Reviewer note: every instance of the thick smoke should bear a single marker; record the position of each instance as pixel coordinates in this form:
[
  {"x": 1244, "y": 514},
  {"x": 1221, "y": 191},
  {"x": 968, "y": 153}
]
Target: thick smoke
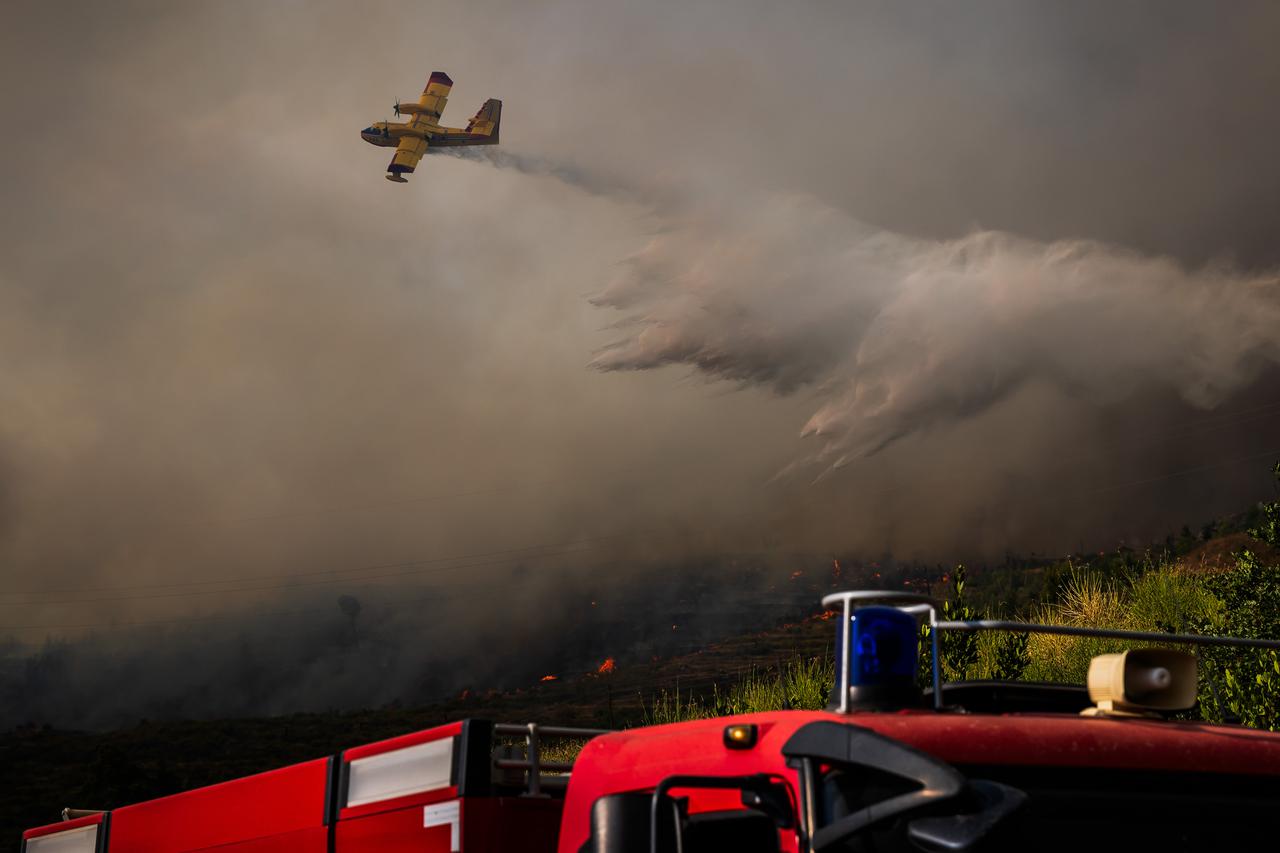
[
  {"x": 1009, "y": 264},
  {"x": 897, "y": 335}
]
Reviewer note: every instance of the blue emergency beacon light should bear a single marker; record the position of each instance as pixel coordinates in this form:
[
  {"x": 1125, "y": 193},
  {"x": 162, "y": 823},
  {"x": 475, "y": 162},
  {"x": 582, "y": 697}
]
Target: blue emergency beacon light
[{"x": 878, "y": 649}]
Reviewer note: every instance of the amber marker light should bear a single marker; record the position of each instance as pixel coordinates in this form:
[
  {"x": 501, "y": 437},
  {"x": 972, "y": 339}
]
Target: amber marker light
[{"x": 740, "y": 737}]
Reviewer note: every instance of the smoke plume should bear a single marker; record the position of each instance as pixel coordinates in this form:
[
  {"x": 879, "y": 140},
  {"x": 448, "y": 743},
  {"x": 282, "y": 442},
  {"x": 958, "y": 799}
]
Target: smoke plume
[{"x": 895, "y": 335}]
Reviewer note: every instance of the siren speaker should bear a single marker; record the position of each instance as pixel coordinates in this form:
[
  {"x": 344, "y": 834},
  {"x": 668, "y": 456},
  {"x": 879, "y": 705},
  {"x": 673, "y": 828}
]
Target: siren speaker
[{"x": 1143, "y": 680}]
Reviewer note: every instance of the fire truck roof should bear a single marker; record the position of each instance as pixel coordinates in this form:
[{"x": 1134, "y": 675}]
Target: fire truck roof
[{"x": 639, "y": 759}]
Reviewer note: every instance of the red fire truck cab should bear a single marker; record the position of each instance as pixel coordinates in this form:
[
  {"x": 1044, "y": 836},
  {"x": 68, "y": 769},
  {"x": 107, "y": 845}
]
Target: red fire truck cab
[{"x": 973, "y": 766}]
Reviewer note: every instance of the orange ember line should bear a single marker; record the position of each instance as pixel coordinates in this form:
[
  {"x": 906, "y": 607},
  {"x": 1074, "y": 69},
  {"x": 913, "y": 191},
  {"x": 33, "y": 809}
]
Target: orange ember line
[
  {"x": 606, "y": 667},
  {"x": 549, "y": 677}
]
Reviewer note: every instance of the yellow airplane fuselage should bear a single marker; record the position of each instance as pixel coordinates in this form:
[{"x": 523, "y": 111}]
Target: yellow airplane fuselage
[{"x": 387, "y": 134}]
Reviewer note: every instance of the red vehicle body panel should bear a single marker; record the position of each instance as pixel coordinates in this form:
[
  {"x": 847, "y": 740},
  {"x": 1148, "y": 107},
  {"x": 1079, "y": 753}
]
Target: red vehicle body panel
[
  {"x": 396, "y": 824},
  {"x": 510, "y": 823},
  {"x": 489, "y": 825},
  {"x": 302, "y": 841},
  {"x": 391, "y": 811},
  {"x": 638, "y": 760},
  {"x": 63, "y": 826},
  {"x": 394, "y": 832},
  {"x": 402, "y": 741},
  {"x": 281, "y": 810}
]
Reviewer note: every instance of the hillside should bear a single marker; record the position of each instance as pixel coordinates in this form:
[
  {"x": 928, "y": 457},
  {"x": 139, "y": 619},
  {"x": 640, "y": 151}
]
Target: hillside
[{"x": 44, "y": 769}]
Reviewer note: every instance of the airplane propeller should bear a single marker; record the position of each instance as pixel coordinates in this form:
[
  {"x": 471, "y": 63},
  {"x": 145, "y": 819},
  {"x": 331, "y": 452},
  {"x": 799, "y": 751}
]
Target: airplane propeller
[{"x": 397, "y": 107}]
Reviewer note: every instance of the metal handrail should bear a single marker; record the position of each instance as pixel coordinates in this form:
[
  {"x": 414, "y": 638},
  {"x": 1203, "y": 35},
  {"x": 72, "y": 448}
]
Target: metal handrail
[
  {"x": 1105, "y": 633},
  {"x": 534, "y": 765},
  {"x": 923, "y": 605}
]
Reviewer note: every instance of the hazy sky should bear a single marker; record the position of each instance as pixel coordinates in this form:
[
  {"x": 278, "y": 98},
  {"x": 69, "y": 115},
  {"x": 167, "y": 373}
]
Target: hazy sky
[{"x": 940, "y": 278}]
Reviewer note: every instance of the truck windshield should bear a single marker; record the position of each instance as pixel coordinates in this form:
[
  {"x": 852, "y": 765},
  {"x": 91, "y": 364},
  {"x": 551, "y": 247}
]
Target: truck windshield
[{"x": 1078, "y": 809}]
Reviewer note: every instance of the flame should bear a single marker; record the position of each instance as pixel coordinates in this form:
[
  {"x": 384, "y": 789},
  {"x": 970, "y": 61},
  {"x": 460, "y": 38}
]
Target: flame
[
  {"x": 606, "y": 667},
  {"x": 549, "y": 677},
  {"x": 797, "y": 574}
]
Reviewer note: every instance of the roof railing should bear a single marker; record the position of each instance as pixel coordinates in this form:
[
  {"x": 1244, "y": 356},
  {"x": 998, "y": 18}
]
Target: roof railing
[
  {"x": 532, "y": 764},
  {"x": 926, "y": 608}
]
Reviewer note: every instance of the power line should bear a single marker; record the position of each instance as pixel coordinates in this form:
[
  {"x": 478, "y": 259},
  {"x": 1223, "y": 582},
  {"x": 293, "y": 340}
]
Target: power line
[
  {"x": 455, "y": 563},
  {"x": 1173, "y": 474},
  {"x": 425, "y": 565},
  {"x": 1213, "y": 422},
  {"x": 182, "y": 620},
  {"x": 430, "y": 563},
  {"x": 318, "y": 572},
  {"x": 434, "y": 597},
  {"x": 224, "y": 617}
]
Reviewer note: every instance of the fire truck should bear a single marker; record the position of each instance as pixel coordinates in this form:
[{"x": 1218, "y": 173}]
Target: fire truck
[{"x": 888, "y": 766}]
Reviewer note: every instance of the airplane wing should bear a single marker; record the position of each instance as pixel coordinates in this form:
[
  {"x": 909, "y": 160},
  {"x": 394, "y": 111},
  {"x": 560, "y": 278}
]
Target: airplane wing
[
  {"x": 427, "y": 120},
  {"x": 434, "y": 97},
  {"x": 408, "y": 153},
  {"x": 481, "y": 130}
]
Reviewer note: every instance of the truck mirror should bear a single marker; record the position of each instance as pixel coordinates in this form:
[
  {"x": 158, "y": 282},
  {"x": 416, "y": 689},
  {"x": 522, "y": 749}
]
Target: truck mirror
[
  {"x": 922, "y": 779},
  {"x": 944, "y": 810},
  {"x": 960, "y": 832},
  {"x": 748, "y": 831},
  {"x": 620, "y": 823},
  {"x": 773, "y": 800}
]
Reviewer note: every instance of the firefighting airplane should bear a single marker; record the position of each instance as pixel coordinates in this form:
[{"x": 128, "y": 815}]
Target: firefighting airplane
[{"x": 412, "y": 137}]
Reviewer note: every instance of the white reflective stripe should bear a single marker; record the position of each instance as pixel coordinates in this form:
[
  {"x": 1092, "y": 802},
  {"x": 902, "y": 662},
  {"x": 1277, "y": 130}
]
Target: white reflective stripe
[
  {"x": 411, "y": 770},
  {"x": 82, "y": 839},
  {"x": 442, "y": 813}
]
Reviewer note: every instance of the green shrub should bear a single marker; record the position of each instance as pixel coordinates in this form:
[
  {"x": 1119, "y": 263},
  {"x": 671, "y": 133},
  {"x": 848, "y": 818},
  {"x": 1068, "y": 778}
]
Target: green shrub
[
  {"x": 1010, "y": 656},
  {"x": 800, "y": 684},
  {"x": 673, "y": 708},
  {"x": 1267, "y": 526},
  {"x": 1243, "y": 684},
  {"x": 1086, "y": 600},
  {"x": 959, "y": 651}
]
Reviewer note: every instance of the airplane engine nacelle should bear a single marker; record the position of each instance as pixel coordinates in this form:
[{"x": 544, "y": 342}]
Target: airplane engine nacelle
[{"x": 411, "y": 109}]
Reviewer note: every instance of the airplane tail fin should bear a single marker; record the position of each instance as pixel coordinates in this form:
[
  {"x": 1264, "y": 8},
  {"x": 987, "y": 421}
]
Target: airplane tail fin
[
  {"x": 481, "y": 130},
  {"x": 486, "y": 122}
]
